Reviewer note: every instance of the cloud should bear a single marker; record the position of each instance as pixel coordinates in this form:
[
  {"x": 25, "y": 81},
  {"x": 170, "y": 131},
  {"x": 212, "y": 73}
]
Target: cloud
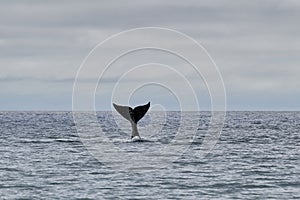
[{"x": 256, "y": 44}]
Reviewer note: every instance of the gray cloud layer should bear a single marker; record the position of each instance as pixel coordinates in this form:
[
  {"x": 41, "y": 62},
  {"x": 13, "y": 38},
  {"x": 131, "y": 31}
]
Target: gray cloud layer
[{"x": 256, "y": 45}]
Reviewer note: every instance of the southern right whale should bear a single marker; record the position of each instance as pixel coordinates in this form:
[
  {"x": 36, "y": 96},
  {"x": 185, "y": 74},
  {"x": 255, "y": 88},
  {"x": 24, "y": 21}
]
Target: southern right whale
[{"x": 133, "y": 116}]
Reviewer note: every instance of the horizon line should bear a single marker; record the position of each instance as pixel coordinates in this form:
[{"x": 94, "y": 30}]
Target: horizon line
[{"x": 231, "y": 110}]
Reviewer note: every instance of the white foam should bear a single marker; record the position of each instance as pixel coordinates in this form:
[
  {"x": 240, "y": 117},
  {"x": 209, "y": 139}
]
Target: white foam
[{"x": 136, "y": 138}]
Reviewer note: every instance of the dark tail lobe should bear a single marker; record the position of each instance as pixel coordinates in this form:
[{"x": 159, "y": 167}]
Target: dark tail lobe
[{"x": 132, "y": 114}]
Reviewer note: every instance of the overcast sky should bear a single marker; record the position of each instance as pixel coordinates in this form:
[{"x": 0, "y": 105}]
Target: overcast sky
[{"x": 256, "y": 45}]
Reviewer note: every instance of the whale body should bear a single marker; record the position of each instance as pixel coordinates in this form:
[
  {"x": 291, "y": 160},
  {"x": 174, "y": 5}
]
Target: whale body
[{"x": 133, "y": 116}]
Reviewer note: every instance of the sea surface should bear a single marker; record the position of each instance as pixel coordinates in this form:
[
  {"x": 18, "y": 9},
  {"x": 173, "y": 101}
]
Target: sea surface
[{"x": 43, "y": 156}]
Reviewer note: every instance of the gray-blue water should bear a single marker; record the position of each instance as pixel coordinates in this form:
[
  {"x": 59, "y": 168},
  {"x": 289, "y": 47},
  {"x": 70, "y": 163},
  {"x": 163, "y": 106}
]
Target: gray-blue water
[{"x": 256, "y": 157}]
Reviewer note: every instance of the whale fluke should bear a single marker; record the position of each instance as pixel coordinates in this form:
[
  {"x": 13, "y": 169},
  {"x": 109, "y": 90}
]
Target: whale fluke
[{"x": 133, "y": 115}]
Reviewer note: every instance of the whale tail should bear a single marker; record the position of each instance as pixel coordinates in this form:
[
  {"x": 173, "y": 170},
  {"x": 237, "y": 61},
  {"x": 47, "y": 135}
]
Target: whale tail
[{"x": 133, "y": 115}]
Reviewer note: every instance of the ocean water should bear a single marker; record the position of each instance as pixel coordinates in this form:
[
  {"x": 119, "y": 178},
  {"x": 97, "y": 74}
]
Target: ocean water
[{"x": 256, "y": 157}]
